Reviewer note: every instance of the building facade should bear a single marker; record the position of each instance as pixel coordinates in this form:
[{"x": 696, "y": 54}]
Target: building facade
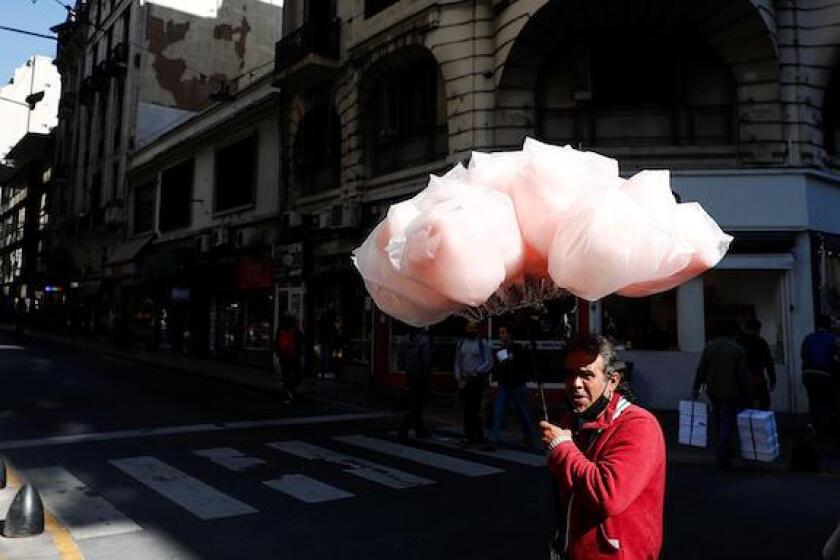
[
  {"x": 736, "y": 98},
  {"x": 24, "y": 216},
  {"x": 132, "y": 70},
  {"x": 29, "y": 101},
  {"x": 197, "y": 266}
]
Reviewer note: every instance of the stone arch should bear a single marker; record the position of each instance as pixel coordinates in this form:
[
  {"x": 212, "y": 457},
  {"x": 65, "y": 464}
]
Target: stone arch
[{"x": 741, "y": 31}]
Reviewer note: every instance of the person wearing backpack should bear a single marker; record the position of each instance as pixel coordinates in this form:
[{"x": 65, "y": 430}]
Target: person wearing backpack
[
  {"x": 473, "y": 362},
  {"x": 290, "y": 348}
]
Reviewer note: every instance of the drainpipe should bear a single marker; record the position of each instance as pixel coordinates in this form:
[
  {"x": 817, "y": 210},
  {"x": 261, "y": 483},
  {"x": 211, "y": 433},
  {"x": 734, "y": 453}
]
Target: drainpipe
[{"x": 794, "y": 153}]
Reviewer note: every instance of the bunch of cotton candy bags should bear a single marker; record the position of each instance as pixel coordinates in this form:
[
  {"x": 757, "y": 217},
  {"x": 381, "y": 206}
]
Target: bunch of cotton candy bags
[{"x": 550, "y": 213}]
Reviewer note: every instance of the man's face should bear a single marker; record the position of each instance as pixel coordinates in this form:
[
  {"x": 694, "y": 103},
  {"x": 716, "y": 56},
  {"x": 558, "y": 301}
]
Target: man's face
[
  {"x": 586, "y": 381},
  {"x": 472, "y": 329},
  {"x": 504, "y": 335}
]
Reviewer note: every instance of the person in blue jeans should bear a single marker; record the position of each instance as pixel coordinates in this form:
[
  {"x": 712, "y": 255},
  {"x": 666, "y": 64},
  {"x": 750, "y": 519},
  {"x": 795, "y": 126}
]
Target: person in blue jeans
[{"x": 509, "y": 368}]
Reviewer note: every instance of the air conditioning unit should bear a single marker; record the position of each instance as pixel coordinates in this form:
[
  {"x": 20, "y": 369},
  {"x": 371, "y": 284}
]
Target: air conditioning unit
[
  {"x": 204, "y": 243},
  {"x": 346, "y": 215},
  {"x": 247, "y": 237},
  {"x": 221, "y": 236},
  {"x": 323, "y": 219},
  {"x": 291, "y": 219}
]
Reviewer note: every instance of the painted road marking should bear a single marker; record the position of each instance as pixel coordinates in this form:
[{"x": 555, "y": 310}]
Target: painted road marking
[
  {"x": 194, "y": 428},
  {"x": 510, "y": 455},
  {"x": 362, "y": 468},
  {"x": 307, "y": 489},
  {"x": 85, "y": 514},
  {"x": 200, "y": 499},
  {"x": 230, "y": 458},
  {"x": 428, "y": 458}
]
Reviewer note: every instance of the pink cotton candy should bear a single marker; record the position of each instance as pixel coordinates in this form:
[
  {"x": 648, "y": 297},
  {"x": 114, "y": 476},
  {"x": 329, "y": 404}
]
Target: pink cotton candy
[
  {"x": 463, "y": 247},
  {"x": 553, "y": 179},
  {"x": 501, "y": 171},
  {"x": 607, "y": 242},
  {"x": 395, "y": 294},
  {"x": 520, "y": 227},
  {"x": 709, "y": 245}
]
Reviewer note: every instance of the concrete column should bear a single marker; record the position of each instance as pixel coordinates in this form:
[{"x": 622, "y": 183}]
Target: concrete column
[
  {"x": 596, "y": 316},
  {"x": 691, "y": 327}
]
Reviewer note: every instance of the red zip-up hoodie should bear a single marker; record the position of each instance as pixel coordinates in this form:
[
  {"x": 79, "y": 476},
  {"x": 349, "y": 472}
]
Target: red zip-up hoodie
[{"x": 611, "y": 485}]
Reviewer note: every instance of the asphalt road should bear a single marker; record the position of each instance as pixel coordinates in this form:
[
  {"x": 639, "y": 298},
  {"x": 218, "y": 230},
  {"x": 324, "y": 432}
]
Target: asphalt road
[{"x": 140, "y": 463}]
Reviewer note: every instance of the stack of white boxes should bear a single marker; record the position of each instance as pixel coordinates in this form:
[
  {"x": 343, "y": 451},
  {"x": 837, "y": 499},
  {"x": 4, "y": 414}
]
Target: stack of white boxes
[
  {"x": 758, "y": 435},
  {"x": 694, "y": 420}
]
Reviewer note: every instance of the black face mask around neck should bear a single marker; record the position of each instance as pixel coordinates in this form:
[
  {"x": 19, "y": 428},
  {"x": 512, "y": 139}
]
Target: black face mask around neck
[{"x": 594, "y": 410}]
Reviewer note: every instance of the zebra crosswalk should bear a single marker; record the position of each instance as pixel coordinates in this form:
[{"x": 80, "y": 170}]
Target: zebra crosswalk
[{"x": 219, "y": 483}]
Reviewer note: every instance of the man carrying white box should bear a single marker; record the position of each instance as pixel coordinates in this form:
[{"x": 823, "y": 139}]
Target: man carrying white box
[{"x": 723, "y": 370}]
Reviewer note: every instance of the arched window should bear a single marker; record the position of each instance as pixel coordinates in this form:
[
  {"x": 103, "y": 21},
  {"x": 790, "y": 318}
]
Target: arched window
[
  {"x": 831, "y": 116},
  {"x": 405, "y": 114},
  {"x": 635, "y": 91},
  {"x": 317, "y": 151}
]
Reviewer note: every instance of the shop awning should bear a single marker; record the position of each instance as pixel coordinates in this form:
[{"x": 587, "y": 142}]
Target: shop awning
[{"x": 129, "y": 250}]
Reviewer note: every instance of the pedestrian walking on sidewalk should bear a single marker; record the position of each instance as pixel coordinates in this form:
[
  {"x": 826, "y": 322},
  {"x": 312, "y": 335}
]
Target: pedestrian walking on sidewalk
[
  {"x": 473, "y": 362},
  {"x": 290, "y": 348},
  {"x": 510, "y": 370},
  {"x": 607, "y": 458},
  {"x": 418, "y": 374},
  {"x": 820, "y": 370},
  {"x": 723, "y": 370},
  {"x": 759, "y": 363}
]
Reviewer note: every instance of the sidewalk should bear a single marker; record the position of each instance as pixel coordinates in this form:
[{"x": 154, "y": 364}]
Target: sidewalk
[{"x": 442, "y": 410}]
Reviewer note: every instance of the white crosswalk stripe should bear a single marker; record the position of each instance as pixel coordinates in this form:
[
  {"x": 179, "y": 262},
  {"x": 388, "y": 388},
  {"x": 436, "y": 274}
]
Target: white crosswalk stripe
[
  {"x": 362, "y": 468},
  {"x": 307, "y": 489},
  {"x": 200, "y": 499},
  {"x": 84, "y": 514},
  {"x": 510, "y": 455},
  {"x": 421, "y": 456},
  {"x": 89, "y": 516},
  {"x": 230, "y": 458}
]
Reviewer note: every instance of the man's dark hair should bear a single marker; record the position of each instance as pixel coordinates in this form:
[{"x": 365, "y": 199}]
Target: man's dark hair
[
  {"x": 824, "y": 322},
  {"x": 753, "y": 325},
  {"x": 594, "y": 346}
]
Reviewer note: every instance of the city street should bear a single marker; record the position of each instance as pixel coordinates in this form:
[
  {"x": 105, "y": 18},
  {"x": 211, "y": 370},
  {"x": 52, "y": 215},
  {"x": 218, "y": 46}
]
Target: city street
[{"x": 143, "y": 463}]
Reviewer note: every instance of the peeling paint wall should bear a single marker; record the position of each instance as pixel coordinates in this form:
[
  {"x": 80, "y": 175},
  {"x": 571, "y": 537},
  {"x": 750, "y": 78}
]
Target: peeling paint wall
[{"x": 195, "y": 46}]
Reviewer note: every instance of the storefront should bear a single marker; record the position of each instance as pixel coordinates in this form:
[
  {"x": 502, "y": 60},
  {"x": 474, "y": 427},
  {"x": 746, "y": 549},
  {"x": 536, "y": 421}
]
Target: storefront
[{"x": 769, "y": 274}]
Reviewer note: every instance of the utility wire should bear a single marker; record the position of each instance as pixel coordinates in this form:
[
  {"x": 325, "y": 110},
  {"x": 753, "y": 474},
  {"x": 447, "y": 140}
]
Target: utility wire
[{"x": 25, "y": 32}]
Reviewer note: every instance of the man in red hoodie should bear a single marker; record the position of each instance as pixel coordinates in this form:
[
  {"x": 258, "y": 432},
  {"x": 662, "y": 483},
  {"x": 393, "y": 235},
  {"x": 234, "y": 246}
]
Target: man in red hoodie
[{"x": 607, "y": 457}]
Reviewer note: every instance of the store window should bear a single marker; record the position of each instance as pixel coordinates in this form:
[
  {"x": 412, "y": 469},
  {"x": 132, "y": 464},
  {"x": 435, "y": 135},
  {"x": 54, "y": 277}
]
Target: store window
[
  {"x": 648, "y": 323},
  {"x": 740, "y": 295},
  {"x": 236, "y": 174},
  {"x": 259, "y": 312},
  {"x": 144, "y": 208},
  {"x": 176, "y": 189}
]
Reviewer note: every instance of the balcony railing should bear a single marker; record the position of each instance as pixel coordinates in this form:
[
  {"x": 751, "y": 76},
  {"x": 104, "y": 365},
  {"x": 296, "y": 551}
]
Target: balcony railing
[{"x": 316, "y": 37}]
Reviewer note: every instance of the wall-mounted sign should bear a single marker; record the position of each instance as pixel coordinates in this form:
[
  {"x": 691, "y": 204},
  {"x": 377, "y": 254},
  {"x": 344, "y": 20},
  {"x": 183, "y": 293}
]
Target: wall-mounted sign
[{"x": 288, "y": 260}]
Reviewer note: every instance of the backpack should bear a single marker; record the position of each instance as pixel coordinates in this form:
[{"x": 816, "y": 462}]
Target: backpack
[{"x": 287, "y": 345}]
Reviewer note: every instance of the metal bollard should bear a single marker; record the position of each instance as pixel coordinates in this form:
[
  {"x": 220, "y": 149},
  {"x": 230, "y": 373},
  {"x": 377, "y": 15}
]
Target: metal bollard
[{"x": 26, "y": 514}]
